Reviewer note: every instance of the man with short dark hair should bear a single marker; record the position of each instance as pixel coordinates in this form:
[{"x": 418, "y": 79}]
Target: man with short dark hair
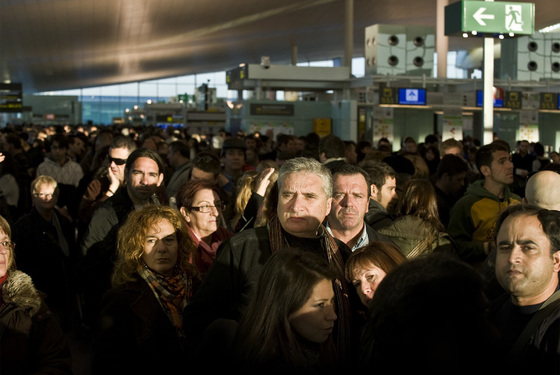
[
  {"x": 143, "y": 175},
  {"x": 233, "y": 159},
  {"x": 351, "y": 192},
  {"x": 450, "y": 180},
  {"x": 472, "y": 219},
  {"x": 332, "y": 151},
  {"x": 58, "y": 165},
  {"x": 178, "y": 155},
  {"x": 383, "y": 185},
  {"x": 102, "y": 188},
  {"x": 527, "y": 268}
]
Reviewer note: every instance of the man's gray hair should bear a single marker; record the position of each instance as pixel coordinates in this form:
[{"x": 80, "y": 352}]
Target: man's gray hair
[{"x": 309, "y": 166}]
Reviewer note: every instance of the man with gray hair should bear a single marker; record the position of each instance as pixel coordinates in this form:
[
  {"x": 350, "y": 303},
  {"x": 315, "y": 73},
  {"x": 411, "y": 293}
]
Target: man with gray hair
[{"x": 305, "y": 190}]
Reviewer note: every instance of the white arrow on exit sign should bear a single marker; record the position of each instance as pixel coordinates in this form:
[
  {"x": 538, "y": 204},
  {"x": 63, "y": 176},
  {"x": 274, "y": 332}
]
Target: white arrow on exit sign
[{"x": 479, "y": 16}]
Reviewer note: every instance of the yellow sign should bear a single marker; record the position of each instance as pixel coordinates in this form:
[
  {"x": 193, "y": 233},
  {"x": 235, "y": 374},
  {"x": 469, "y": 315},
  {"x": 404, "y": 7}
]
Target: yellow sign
[{"x": 322, "y": 126}]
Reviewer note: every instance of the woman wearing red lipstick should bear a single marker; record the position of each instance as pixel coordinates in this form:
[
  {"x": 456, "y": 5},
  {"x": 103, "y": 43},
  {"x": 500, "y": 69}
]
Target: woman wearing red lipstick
[
  {"x": 289, "y": 321},
  {"x": 141, "y": 323}
]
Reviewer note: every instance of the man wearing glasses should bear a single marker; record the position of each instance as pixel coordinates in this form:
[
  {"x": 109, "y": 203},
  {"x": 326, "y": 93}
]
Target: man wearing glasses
[
  {"x": 143, "y": 174},
  {"x": 100, "y": 189}
]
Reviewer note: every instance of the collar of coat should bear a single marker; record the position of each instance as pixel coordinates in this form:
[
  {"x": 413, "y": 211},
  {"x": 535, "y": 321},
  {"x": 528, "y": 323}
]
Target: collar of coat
[{"x": 19, "y": 290}]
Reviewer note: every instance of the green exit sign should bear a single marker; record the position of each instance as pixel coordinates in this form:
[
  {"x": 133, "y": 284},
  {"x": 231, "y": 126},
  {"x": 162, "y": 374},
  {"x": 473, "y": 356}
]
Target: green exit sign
[{"x": 489, "y": 17}]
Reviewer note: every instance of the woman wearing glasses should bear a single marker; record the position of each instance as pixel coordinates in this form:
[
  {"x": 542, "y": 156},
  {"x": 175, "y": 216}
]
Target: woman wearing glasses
[
  {"x": 31, "y": 340},
  {"x": 201, "y": 206}
]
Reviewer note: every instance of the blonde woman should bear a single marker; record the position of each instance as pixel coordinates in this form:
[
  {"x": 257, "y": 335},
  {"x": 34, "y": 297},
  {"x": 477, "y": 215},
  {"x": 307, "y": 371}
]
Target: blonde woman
[{"x": 141, "y": 321}]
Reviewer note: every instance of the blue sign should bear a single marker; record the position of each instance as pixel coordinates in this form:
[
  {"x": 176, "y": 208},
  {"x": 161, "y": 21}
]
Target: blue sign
[
  {"x": 412, "y": 96},
  {"x": 498, "y": 102}
]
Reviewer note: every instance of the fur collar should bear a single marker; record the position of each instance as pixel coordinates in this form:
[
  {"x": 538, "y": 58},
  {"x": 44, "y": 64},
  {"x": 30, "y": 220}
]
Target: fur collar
[{"x": 19, "y": 290}]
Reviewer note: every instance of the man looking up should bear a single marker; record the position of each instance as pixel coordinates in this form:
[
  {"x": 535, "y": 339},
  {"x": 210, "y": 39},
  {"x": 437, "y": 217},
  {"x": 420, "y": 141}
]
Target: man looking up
[
  {"x": 350, "y": 203},
  {"x": 472, "y": 219}
]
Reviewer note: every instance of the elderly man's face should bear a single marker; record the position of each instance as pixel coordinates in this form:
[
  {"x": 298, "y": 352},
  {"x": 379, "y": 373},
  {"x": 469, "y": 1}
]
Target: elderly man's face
[{"x": 302, "y": 204}]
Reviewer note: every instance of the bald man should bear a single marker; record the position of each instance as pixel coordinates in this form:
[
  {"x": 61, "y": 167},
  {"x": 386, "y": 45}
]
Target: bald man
[{"x": 542, "y": 190}]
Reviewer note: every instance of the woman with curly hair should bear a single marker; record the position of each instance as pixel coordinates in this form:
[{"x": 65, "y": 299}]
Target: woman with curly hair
[{"x": 140, "y": 325}]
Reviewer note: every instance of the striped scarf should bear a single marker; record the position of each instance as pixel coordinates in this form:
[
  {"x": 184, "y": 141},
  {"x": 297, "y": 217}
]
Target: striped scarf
[
  {"x": 333, "y": 256},
  {"x": 172, "y": 293}
]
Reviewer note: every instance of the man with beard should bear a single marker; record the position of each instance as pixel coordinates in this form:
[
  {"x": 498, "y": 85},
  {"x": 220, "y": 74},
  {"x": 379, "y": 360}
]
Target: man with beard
[
  {"x": 472, "y": 218},
  {"x": 143, "y": 174},
  {"x": 527, "y": 267}
]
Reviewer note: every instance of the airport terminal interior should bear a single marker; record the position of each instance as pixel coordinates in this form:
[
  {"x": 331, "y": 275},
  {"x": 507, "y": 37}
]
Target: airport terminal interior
[
  {"x": 340, "y": 66},
  {"x": 362, "y": 70}
]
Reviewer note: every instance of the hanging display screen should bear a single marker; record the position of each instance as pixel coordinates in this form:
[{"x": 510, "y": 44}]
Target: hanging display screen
[{"x": 412, "y": 96}]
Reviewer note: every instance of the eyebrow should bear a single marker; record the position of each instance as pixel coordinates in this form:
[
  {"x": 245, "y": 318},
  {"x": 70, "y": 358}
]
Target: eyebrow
[{"x": 519, "y": 242}]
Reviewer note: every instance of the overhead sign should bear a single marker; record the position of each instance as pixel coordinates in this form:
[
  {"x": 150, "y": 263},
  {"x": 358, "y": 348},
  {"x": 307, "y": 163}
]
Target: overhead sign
[
  {"x": 11, "y": 97},
  {"x": 489, "y": 17},
  {"x": 412, "y": 96},
  {"x": 513, "y": 99},
  {"x": 549, "y": 100},
  {"x": 387, "y": 96}
]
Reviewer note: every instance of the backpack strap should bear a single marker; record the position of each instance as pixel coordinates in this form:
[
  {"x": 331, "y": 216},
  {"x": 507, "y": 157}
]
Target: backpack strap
[{"x": 544, "y": 311}]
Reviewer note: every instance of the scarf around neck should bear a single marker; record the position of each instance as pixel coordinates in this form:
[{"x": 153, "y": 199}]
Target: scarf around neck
[{"x": 172, "y": 293}]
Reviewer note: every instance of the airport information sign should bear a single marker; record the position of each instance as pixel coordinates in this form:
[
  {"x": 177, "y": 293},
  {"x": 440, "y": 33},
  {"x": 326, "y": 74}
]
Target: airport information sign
[{"x": 489, "y": 17}]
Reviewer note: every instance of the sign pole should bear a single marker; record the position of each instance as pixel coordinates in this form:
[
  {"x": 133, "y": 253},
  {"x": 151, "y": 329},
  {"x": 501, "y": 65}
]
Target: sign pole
[{"x": 488, "y": 90}]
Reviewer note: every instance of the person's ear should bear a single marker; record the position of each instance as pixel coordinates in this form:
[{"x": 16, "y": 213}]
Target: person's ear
[
  {"x": 374, "y": 191},
  {"x": 183, "y": 212},
  {"x": 556, "y": 261},
  {"x": 160, "y": 179},
  {"x": 485, "y": 170}
]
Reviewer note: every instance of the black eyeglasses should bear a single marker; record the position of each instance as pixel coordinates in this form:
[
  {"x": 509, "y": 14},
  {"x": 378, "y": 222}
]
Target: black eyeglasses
[
  {"x": 117, "y": 161},
  {"x": 207, "y": 208}
]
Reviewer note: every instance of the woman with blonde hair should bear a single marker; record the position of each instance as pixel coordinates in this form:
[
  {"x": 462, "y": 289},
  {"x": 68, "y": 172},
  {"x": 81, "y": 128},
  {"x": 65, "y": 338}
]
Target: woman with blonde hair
[
  {"x": 253, "y": 190},
  {"x": 417, "y": 228},
  {"x": 141, "y": 321}
]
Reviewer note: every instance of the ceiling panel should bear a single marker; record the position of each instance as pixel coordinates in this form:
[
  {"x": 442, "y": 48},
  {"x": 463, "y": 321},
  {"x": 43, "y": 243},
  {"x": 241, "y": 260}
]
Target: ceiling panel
[{"x": 61, "y": 44}]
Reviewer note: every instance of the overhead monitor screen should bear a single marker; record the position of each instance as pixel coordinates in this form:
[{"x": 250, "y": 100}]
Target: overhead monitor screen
[
  {"x": 412, "y": 96},
  {"x": 498, "y": 101}
]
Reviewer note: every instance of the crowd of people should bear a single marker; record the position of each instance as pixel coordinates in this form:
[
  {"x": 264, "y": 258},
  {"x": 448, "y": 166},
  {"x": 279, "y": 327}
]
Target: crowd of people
[{"x": 162, "y": 250}]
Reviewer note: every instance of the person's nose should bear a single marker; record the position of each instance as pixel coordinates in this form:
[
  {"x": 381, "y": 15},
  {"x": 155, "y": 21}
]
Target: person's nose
[
  {"x": 298, "y": 203},
  {"x": 367, "y": 290},
  {"x": 347, "y": 201},
  {"x": 160, "y": 246},
  {"x": 515, "y": 255},
  {"x": 330, "y": 313}
]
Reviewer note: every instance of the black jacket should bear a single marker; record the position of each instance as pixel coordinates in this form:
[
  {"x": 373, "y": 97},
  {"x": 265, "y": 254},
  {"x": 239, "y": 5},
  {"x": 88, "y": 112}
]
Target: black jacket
[
  {"x": 31, "y": 341},
  {"x": 135, "y": 336}
]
